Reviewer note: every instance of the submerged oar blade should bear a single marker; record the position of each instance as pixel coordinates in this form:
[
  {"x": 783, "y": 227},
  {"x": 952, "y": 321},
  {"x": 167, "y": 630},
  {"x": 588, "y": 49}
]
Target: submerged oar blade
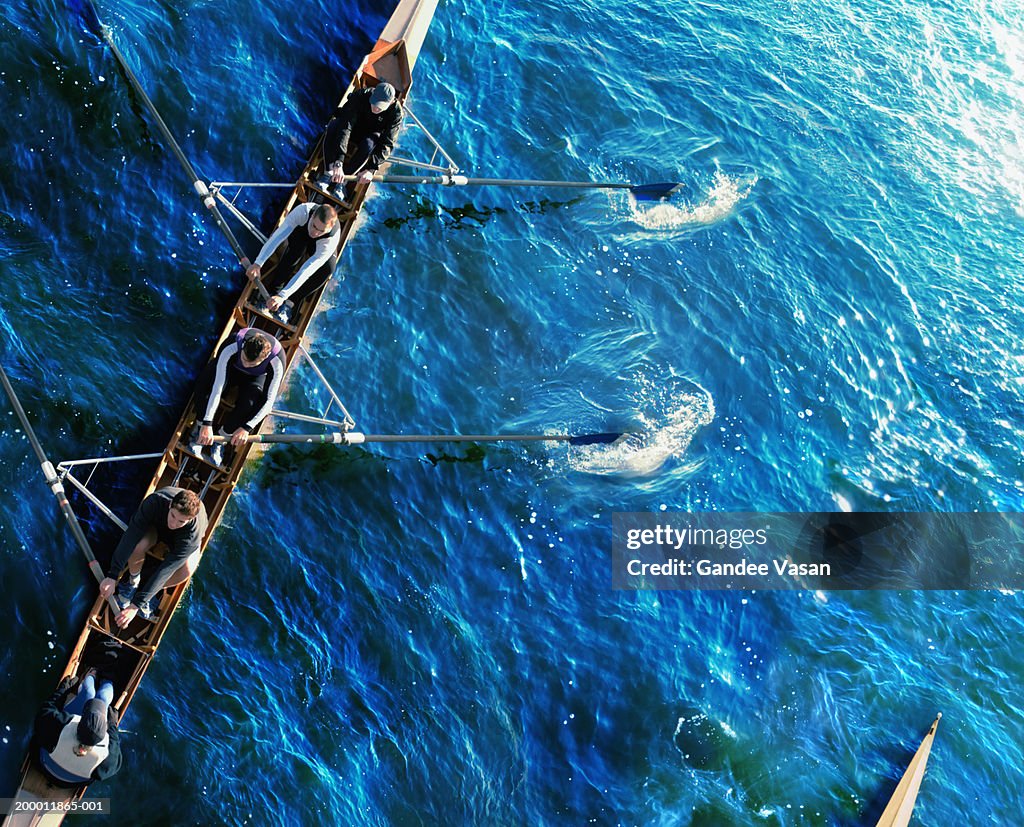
[
  {"x": 86, "y": 12},
  {"x": 655, "y": 192},
  {"x": 595, "y": 439}
]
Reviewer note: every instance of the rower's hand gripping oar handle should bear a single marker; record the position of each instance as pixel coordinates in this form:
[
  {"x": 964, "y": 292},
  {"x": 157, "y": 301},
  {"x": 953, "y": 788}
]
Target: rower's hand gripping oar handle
[{"x": 257, "y": 280}]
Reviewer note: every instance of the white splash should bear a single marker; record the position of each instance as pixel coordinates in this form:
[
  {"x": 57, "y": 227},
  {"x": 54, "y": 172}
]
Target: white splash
[
  {"x": 718, "y": 204},
  {"x": 666, "y": 430}
]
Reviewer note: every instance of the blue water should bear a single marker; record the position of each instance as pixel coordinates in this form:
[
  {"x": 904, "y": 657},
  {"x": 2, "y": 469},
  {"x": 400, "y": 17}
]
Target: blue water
[{"x": 826, "y": 318}]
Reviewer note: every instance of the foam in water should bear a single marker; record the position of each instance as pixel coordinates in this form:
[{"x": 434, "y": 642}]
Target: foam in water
[
  {"x": 718, "y": 204},
  {"x": 669, "y": 418},
  {"x": 843, "y": 503}
]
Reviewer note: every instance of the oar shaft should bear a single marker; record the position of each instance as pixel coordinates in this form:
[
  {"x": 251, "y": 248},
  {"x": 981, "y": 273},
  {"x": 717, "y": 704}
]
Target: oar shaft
[
  {"x": 48, "y": 469},
  {"x": 356, "y": 438},
  {"x": 197, "y": 184},
  {"x": 460, "y": 437},
  {"x": 55, "y": 484},
  {"x": 462, "y": 181}
]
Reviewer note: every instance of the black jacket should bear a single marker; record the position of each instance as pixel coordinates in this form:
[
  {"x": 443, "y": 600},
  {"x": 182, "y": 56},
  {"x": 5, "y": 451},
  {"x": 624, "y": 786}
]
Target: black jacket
[
  {"x": 52, "y": 719},
  {"x": 181, "y": 542},
  {"x": 355, "y": 120}
]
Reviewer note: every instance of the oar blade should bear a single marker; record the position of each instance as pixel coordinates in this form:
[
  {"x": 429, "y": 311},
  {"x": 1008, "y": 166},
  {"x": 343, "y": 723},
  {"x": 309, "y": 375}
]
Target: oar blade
[
  {"x": 595, "y": 439},
  {"x": 655, "y": 192},
  {"x": 86, "y": 12}
]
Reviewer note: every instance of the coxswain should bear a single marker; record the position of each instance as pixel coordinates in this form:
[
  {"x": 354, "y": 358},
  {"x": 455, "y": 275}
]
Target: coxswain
[{"x": 78, "y": 741}]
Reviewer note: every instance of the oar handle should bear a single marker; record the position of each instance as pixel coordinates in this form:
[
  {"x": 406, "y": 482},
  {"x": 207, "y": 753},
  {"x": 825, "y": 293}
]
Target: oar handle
[{"x": 258, "y": 282}]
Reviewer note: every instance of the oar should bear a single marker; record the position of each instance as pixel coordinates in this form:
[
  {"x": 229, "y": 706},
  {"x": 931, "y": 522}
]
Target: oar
[
  {"x": 91, "y": 19},
  {"x": 356, "y": 438},
  {"x": 57, "y": 488},
  {"x": 641, "y": 192}
]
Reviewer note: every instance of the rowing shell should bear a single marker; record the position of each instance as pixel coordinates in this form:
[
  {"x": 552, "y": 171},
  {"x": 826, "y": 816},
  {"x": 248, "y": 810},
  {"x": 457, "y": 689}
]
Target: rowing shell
[
  {"x": 392, "y": 59},
  {"x": 901, "y": 806}
]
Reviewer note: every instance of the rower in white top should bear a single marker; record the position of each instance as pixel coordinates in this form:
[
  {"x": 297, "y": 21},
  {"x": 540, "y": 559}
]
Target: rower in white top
[
  {"x": 311, "y": 234},
  {"x": 254, "y": 364}
]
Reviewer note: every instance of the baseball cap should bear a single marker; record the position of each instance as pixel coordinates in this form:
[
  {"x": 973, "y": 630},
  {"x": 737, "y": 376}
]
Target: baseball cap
[{"x": 383, "y": 95}]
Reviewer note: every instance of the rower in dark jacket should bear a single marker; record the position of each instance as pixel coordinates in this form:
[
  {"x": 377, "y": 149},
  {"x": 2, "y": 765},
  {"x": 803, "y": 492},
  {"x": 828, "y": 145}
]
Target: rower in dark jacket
[
  {"x": 173, "y": 516},
  {"x": 78, "y": 742},
  {"x": 362, "y": 135}
]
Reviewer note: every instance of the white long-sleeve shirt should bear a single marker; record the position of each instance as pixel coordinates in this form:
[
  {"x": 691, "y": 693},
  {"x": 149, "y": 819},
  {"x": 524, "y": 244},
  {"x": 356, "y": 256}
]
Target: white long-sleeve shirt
[
  {"x": 273, "y": 387},
  {"x": 325, "y": 246}
]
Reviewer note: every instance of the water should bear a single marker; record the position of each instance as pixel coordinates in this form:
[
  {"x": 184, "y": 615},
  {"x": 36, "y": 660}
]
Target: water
[{"x": 825, "y": 318}]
